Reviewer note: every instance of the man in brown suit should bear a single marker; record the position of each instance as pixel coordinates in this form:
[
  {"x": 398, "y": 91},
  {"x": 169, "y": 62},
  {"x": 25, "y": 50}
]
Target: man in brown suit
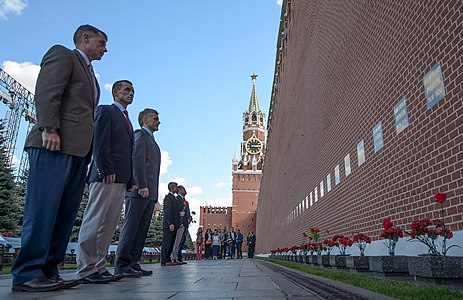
[{"x": 59, "y": 149}]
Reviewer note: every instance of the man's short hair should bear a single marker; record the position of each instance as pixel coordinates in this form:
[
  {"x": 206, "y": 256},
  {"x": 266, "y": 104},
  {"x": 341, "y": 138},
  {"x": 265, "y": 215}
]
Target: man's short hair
[
  {"x": 93, "y": 31},
  {"x": 171, "y": 185},
  {"x": 144, "y": 113}
]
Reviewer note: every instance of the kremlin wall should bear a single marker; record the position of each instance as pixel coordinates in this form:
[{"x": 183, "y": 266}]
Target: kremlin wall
[{"x": 365, "y": 121}]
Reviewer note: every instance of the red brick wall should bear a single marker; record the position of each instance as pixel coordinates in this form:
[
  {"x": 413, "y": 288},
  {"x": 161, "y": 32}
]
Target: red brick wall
[
  {"x": 215, "y": 217},
  {"x": 245, "y": 197},
  {"x": 343, "y": 67}
]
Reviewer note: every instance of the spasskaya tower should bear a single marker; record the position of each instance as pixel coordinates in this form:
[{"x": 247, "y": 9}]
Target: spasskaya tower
[{"x": 247, "y": 167}]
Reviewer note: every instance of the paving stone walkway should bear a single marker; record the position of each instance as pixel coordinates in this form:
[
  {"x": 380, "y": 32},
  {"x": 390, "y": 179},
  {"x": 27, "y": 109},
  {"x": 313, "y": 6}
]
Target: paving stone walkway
[{"x": 206, "y": 279}]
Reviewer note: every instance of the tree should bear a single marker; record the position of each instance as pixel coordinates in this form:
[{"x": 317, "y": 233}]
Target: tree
[
  {"x": 80, "y": 216},
  {"x": 188, "y": 242},
  {"x": 154, "y": 236},
  {"x": 10, "y": 210},
  {"x": 117, "y": 233}
]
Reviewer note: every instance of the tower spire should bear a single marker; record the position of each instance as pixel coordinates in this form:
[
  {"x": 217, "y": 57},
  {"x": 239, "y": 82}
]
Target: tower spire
[{"x": 254, "y": 101}]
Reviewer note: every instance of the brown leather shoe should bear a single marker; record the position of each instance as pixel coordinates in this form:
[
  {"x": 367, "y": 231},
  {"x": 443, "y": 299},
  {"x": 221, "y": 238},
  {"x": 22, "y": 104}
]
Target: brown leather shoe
[
  {"x": 41, "y": 284},
  {"x": 66, "y": 284}
]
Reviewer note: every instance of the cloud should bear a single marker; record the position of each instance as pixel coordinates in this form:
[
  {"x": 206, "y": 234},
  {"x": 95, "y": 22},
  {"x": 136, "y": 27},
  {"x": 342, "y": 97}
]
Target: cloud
[
  {"x": 25, "y": 73},
  {"x": 165, "y": 162},
  {"x": 195, "y": 190},
  {"x": 280, "y": 2},
  {"x": 11, "y": 7},
  {"x": 179, "y": 180},
  {"x": 220, "y": 184},
  {"x": 108, "y": 86}
]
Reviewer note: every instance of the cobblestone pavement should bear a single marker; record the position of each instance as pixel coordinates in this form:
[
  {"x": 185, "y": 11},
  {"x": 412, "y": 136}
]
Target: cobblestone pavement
[{"x": 210, "y": 279}]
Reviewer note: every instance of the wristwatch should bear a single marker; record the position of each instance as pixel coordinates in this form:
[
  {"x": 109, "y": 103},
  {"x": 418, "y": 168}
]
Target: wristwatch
[{"x": 48, "y": 129}]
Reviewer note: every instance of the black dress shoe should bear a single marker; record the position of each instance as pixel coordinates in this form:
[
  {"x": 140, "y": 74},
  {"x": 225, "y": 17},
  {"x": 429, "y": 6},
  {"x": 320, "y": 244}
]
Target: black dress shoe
[
  {"x": 41, "y": 284},
  {"x": 66, "y": 284},
  {"x": 145, "y": 272},
  {"x": 115, "y": 277},
  {"x": 96, "y": 278},
  {"x": 131, "y": 273}
]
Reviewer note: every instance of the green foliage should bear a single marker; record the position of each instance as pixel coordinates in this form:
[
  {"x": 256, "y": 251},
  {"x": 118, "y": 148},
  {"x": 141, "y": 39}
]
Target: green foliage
[
  {"x": 396, "y": 289},
  {"x": 80, "y": 216},
  {"x": 117, "y": 233},
  {"x": 154, "y": 236},
  {"x": 10, "y": 209},
  {"x": 188, "y": 242}
]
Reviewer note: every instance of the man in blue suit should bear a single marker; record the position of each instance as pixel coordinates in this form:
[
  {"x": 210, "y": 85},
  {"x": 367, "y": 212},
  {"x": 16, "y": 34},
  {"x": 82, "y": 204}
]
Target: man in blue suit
[
  {"x": 59, "y": 149},
  {"x": 139, "y": 204},
  {"x": 109, "y": 178}
]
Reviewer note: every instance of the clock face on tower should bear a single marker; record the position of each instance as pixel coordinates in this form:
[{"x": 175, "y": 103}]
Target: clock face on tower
[{"x": 254, "y": 146}]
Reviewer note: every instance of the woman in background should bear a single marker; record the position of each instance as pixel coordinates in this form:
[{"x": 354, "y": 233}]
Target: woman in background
[
  {"x": 199, "y": 243},
  {"x": 208, "y": 243}
]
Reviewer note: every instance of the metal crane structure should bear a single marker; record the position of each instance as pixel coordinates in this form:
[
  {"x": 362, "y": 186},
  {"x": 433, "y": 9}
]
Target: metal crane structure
[{"x": 20, "y": 102}]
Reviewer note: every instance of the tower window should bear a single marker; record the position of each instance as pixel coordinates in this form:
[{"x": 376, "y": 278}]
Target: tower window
[{"x": 254, "y": 117}]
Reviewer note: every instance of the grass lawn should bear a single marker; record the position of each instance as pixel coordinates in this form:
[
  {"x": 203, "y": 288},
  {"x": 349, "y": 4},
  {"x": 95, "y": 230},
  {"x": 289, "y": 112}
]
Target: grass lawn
[{"x": 396, "y": 289}]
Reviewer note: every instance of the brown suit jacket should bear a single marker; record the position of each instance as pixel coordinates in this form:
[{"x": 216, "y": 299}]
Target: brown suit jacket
[{"x": 65, "y": 99}]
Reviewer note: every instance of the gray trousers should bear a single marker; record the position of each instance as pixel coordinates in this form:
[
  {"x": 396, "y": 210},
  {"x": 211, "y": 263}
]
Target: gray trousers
[
  {"x": 138, "y": 213},
  {"x": 98, "y": 226},
  {"x": 178, "y": 239}
]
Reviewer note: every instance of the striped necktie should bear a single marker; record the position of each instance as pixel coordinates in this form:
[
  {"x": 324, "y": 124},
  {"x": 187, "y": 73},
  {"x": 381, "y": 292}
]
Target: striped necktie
[{"x": 126, "y": 114}]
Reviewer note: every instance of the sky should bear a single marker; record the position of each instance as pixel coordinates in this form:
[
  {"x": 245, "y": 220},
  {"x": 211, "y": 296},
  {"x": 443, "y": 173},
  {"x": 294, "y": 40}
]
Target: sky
[{"x": 189, "y": 60}]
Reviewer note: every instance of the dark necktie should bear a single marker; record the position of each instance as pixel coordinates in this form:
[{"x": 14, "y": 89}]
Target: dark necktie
[
  {"x": 94, "y": 82},
  {"x": 126, "y": 114}
]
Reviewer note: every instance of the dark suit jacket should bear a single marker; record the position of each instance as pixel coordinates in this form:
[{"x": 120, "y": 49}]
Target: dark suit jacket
[
  {"x": 112, "y": 148},
  {"x": 146, "y": 165},
  {"x": 65, "y": 99},
  {"x": 171, "y": 211},
  {"x": 186, "y": 208}
]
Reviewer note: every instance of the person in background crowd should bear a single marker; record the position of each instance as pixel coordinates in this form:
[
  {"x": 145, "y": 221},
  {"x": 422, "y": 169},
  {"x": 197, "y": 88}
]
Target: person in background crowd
[
  {"x": 199, "y": 243},
  {"x": 252, "y": 244},
  {"x": 215, "y": 244},
  {"x": 220, "y": 243},
  {"x": 208, "y": 243},
  {"x": 231, "y": 243},
  {"x": 224, "y": 243},
  {"x": 239, "y": 242}
]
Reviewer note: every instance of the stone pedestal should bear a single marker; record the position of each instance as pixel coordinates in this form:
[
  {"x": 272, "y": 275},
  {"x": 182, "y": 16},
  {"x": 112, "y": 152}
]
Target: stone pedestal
[
  {"x": 437, "y": 269},
  {"x": 338, "y": 262},
  {"x": 389, "y": 266},
  {"x": 358, "y": 263}
]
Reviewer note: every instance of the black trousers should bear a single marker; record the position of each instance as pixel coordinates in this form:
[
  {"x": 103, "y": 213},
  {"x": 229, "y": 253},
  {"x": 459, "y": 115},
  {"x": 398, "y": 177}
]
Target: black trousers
[{"x": 168, "y": 239}]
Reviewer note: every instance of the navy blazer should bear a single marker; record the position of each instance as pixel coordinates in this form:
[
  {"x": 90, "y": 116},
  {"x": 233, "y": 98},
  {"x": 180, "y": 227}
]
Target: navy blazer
[
  {"x": 187, "y": 216},
  {"x": 112, "y": 146},
  {"x": 146, "y": 165}
]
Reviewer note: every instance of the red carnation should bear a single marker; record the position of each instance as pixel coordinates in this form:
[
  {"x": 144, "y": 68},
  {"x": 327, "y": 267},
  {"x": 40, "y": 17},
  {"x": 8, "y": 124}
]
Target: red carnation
[{"x": 440, "y": 197}]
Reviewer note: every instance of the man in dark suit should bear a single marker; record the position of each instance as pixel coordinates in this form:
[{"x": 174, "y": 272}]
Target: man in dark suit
[
  {"x": 109, "y": 178},
  {"x": 185, "y": 219},
  {"x": 139, "y": 204},
  {"x": 59, "y": 148},
  {"x": 171, "y": 221}
]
